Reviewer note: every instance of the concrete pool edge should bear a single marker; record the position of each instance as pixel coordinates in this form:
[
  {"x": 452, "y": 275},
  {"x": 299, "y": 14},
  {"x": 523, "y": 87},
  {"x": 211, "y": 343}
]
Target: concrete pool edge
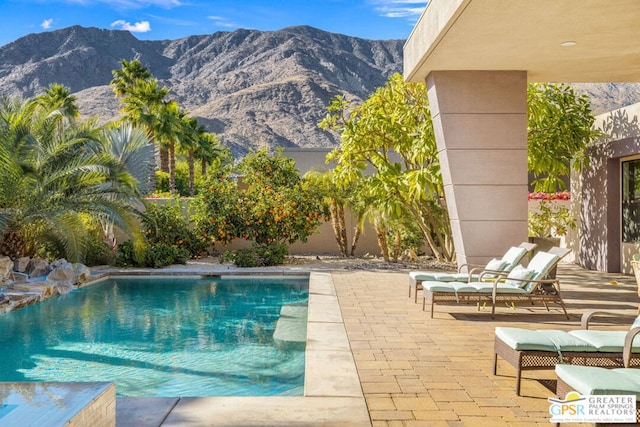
[{"x": 333, "y": 394}]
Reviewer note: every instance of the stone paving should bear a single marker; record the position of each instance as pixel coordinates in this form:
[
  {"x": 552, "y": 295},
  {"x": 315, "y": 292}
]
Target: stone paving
[{"x": 418, "y": 371}]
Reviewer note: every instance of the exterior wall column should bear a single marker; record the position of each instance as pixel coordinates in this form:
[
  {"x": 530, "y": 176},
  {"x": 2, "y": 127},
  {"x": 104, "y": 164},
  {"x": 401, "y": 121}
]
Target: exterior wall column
[{"x": 480, "y": 123}]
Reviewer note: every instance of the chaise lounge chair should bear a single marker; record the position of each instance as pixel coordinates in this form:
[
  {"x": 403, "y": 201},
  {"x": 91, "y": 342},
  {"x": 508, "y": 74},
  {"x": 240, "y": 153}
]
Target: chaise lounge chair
[
  {"x": 495, "y": 267},
  {"x": 528, "y": 284},
  {"x": 526, "y": 349},
  {"x": 590, "y": 380}
]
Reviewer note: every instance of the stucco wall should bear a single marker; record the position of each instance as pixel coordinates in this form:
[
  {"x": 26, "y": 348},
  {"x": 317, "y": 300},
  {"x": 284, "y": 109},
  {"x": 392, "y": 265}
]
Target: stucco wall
[
  {"x": 323, "y": 241},
  {"x": 570, "y": 239},
  {"x": 598, "y": 192}
]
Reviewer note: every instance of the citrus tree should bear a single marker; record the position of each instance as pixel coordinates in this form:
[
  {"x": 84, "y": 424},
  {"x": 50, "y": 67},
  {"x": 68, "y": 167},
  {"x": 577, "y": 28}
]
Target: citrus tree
[
  {"x": 270, "y": 206},
  {"x": 215, "y": 209},
  {"x": 278, "y": 205}
]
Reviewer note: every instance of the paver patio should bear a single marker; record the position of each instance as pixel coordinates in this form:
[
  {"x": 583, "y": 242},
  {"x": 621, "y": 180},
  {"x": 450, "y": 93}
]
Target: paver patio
[{"x": 418, "y": 371}]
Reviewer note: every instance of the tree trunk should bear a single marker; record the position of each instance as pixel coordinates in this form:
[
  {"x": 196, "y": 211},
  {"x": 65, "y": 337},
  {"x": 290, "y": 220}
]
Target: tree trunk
[
  {"x": 172, "y": 168},
  {"x": 164, "y": 160},
  {"x": 436, "y": 229},
  {"x": 381, "y": 234},
  {"x": 13, "y": 243},
  {"x": 442, "y": 226},
  {"x": 192, "y": 173},
  {"x": 357, "y": 232},
  {"x": 108, "y": 237},
  {"x": 333, "y": 209},
  {"x": 397, "y": 246},
  {"x": 203, "y": 167},
  {"x": 426, "y": 232},
  {"x": 343, "y": 229}
]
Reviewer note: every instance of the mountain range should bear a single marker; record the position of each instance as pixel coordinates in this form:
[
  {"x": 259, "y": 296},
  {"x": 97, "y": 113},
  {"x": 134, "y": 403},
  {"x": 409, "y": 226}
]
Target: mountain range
[{"x": 255, "y": 89}]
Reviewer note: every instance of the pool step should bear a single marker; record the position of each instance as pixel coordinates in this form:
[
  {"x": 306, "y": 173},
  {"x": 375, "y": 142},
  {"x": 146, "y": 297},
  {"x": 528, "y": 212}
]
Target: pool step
[{"x": 291, "y": 327}]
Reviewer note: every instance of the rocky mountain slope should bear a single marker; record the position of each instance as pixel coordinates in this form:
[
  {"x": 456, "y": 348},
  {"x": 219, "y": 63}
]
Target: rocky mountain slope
[
  {"x": 609, "y": 96},
  {"x": 255, "y": 89}
]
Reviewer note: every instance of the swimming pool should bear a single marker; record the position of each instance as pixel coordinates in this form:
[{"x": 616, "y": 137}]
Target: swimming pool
[{"x": 161, "y": 336}]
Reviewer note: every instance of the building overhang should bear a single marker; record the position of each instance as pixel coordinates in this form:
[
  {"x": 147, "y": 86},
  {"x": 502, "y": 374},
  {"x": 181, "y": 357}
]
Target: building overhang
[{"x": 574, "y": 41}]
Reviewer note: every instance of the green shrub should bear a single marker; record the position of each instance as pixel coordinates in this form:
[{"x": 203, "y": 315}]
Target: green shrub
[
  {"x": 93, "y": 250},
  {"x": 259, "y": 255},
  {"x": 167, "y": 225},
  {"x": 411, "y": 237},
  {"x": 166, "y": 239},
  {"x": 98, "y": 252},
  {"x": 272, "y": 253},
  {"x": 247, "y": 257},
  {"x": 154, "y": 256},
  {"x": 160, "y": 255},
  {"x": 182, "y": 180},
  {"x": 126, "y": 256}
]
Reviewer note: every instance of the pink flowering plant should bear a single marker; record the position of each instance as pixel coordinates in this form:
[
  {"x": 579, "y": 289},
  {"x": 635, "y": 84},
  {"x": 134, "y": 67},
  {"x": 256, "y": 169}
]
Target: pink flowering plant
[
  {"x": 560, "y": 195},
  {"x": 551, "y": 219}
]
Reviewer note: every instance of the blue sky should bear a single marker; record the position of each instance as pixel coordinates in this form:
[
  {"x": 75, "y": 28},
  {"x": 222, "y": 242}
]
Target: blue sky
[{"x": 172, "y": 19}]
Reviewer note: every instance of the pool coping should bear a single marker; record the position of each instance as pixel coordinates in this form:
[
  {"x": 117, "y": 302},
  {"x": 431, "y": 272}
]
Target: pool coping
[{"x": 332, "y": 391}]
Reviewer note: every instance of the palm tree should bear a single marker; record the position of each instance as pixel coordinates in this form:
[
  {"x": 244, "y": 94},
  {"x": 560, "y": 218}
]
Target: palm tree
[
  {"x": 143, "y": 99},
  {"x": 50, "y": 174},
  {"x": 208, "y": 150},
  {"x": 170, "y": 128},
  {"x": 199, "y": 144},
  {"x": 191, "y": 135},
  {"x": 58, "y": 98},
  {"x": 142, "y": 107},
  {"x": 131, "y": 147},
  {"x": 126, "y": 78}
]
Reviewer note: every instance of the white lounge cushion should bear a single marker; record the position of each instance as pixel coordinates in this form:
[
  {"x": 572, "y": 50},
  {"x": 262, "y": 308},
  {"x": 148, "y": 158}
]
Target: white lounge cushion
[
  {"x": 453, "y": 287},
  {"x": 606, "y": 341},
  {"x": 541, "y": 340},
  {"x": 513, "y": 256},
  {"x": 592, "y": 380},
  {"x": 519, "y": 276}
]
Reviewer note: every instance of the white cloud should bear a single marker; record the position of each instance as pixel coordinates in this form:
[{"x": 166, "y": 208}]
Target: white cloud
[
  {"x": 171, "y": 21},
  {"x": 399, "y": 8},
  {"x": 138, "y": 27},
  {"x": 46, "y": 24},
  {"x": 400, "y": 12},
  {"x": 220, "y": 21}
]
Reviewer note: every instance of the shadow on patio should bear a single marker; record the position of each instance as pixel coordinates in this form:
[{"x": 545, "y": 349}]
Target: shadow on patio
[{"x": 417, "y": 371}]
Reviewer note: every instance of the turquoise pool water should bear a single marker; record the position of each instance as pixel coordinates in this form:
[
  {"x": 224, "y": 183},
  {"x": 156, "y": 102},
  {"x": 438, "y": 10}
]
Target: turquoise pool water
[{"x": 160, "y": 336}]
